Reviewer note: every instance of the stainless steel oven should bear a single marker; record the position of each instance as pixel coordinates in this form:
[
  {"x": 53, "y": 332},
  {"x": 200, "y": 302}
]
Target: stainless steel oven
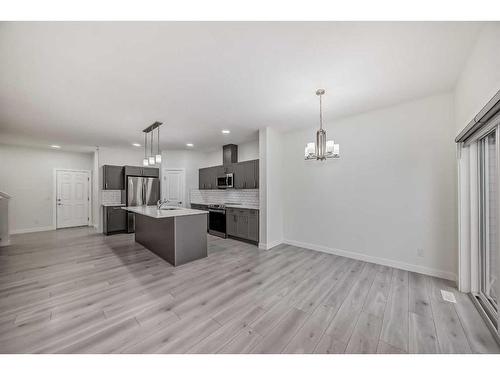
[
  {"x": 217, "y": 220},
  {"x": 225, "y": 182}
]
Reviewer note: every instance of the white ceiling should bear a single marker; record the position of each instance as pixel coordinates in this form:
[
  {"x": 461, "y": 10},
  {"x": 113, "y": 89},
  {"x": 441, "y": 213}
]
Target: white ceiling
[{"x": 89, "y": 83}]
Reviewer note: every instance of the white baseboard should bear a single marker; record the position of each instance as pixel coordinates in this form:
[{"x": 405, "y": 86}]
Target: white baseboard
[
  {"x": 270, "y": 245},
  {"x": 377, "y": 260},
  {"x": 32, "y": 230}
]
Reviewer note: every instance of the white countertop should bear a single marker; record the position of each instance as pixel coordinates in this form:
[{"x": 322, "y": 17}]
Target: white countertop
[
  {"x": 229, "y": 205},
  {"x": 113, "y": 204},
  {"x": 154, "y": 212}
]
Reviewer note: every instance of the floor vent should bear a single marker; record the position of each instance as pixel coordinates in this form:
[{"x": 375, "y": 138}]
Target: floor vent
[{"x": 448, "y": 296}]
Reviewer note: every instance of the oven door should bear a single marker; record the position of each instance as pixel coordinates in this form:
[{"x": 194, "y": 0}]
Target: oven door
[
  {"x": 221, "y": 182},
  {"x": 217, "y": 222}
]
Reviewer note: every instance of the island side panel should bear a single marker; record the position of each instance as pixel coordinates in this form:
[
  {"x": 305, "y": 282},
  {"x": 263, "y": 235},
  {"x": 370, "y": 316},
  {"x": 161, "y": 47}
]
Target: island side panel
[
  {"x": 157, "y": 235},
  {"x": 190, "y": 238}
]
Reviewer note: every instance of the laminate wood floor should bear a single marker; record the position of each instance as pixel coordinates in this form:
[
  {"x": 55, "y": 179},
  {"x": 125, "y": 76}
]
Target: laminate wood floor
[{"x": 76, "y": 291}]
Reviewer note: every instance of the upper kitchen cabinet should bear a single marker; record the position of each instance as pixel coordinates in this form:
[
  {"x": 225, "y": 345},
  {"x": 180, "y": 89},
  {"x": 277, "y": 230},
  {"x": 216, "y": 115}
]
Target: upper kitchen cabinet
[
  {"x": 150, "y": 172},
  {"x": 207, "y": 178},
  {"x": 133, "y": 171},
  {"x": 142, "y": 171},
  {"x": 238, "y": 176},
  {"x": 113, "y": 177},
  {"x": 246, "y": 175}
]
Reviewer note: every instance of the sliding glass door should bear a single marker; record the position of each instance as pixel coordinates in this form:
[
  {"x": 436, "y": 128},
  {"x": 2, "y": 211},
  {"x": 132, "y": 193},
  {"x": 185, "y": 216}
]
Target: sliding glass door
[{"x": 489, "y": 247}]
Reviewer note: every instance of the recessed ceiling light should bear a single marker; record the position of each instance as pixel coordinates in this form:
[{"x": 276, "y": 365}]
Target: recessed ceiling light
[
  {"x": 55, "y": 146},
  {"x": 225, "y": 131},
  {"x": 136, "y": 144},
  {"x": 189, "y": 144}
]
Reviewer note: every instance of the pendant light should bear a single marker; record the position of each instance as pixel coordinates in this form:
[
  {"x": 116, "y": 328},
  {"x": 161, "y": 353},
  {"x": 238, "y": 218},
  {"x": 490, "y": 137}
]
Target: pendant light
[
  {"x": 145, "y": 161},
  {"x": 322, "y": 149},
  {"x": 151, "y": 158},
  {"x": 158, "y": 155}
]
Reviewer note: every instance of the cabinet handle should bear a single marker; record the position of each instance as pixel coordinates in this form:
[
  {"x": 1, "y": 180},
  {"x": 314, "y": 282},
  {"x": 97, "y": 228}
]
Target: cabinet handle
[{"x": 106, "y": 185}]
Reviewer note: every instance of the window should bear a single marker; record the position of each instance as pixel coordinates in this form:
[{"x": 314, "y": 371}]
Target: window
[{"x": 489, "y": 251}]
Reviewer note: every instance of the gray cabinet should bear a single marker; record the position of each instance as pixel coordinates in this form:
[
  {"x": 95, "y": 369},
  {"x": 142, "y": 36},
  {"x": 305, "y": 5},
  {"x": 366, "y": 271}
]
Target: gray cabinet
[
  {"x": 208, "y": 177},
  {"x": 150, "y": 172},
  {"x": 243, "y": 223},
  {"x": 203, "y": 178},
  {"x": 115, "y": 220},
  {"x": 142, "y": 171},
  {"x": 231, "y": 220},
  {"x": 245, "y": 175},
  {"x": 253, "y": 226},
  {"x": 133, "y": 171},
  {"x": 113, "y": 177},
  {"x": 238, "y": 176}
]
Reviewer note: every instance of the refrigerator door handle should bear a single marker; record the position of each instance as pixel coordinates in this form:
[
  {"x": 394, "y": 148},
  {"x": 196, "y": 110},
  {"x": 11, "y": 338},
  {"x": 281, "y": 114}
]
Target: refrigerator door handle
[{"x": 144, "y": 192}]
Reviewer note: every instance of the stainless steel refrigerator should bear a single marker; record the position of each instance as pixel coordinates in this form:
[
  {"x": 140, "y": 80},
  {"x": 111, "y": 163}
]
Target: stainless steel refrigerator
[{"x": 141, "y": 191}]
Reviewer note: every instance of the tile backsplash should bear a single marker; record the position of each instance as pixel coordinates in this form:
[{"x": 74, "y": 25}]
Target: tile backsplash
[
  {"x": 111, "y": 196},
  {"x": 249, "y": 197}
]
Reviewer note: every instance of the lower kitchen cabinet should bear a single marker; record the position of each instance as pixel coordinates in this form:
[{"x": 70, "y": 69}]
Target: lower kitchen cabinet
[
  {"x": 114, "y": 220},
  {"x": 231, "y": 219},
  {"x": 243, "y": 223}
]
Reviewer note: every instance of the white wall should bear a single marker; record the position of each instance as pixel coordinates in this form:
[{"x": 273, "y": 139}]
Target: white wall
[
  {"x": 270, "y": 188},
  {"x": 480, "y": 78},
  {"x": 263, "y": 188},
  {"x": 28, "y": 175},
  {"x": 246, "y": 151},
  {"x": 121, "y": 156},
  {"x": 393, "y": 190}
]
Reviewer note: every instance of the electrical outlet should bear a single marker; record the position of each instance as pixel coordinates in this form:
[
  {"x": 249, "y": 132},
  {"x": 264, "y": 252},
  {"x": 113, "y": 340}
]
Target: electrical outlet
[{"x": 420, "y": 252}]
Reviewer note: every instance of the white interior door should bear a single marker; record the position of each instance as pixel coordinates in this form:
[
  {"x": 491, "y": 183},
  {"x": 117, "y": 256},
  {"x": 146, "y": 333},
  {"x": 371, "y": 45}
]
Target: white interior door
[
  {"x": 72, "y": 198},
  {"x": 173, "y": 190}
]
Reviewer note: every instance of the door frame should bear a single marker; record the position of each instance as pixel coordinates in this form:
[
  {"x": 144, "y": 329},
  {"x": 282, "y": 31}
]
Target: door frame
[
  {"x": 54, "y": 193},
  {"x": 163, "y": 187}
]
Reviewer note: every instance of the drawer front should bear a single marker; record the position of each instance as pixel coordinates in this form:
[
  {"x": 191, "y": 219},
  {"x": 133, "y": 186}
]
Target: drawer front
[
  {"x": 199, "y": 207},
  {"x": 243, "y": 211}
]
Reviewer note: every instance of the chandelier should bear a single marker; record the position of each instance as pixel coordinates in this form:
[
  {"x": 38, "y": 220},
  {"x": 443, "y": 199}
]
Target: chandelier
[{"x": 322, "y": 149}]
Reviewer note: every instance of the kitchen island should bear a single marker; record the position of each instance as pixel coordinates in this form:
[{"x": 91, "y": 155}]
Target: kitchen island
[{"x": 177, "y": 235}]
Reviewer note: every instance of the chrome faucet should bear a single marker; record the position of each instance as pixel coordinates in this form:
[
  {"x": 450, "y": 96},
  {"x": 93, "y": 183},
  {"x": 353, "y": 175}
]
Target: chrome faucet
[{"x": 160, "y": 203}]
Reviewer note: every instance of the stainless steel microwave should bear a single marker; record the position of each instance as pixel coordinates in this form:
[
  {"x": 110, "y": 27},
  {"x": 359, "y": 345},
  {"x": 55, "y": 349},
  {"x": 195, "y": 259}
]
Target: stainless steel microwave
[{"x": 225, "y": 182}]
